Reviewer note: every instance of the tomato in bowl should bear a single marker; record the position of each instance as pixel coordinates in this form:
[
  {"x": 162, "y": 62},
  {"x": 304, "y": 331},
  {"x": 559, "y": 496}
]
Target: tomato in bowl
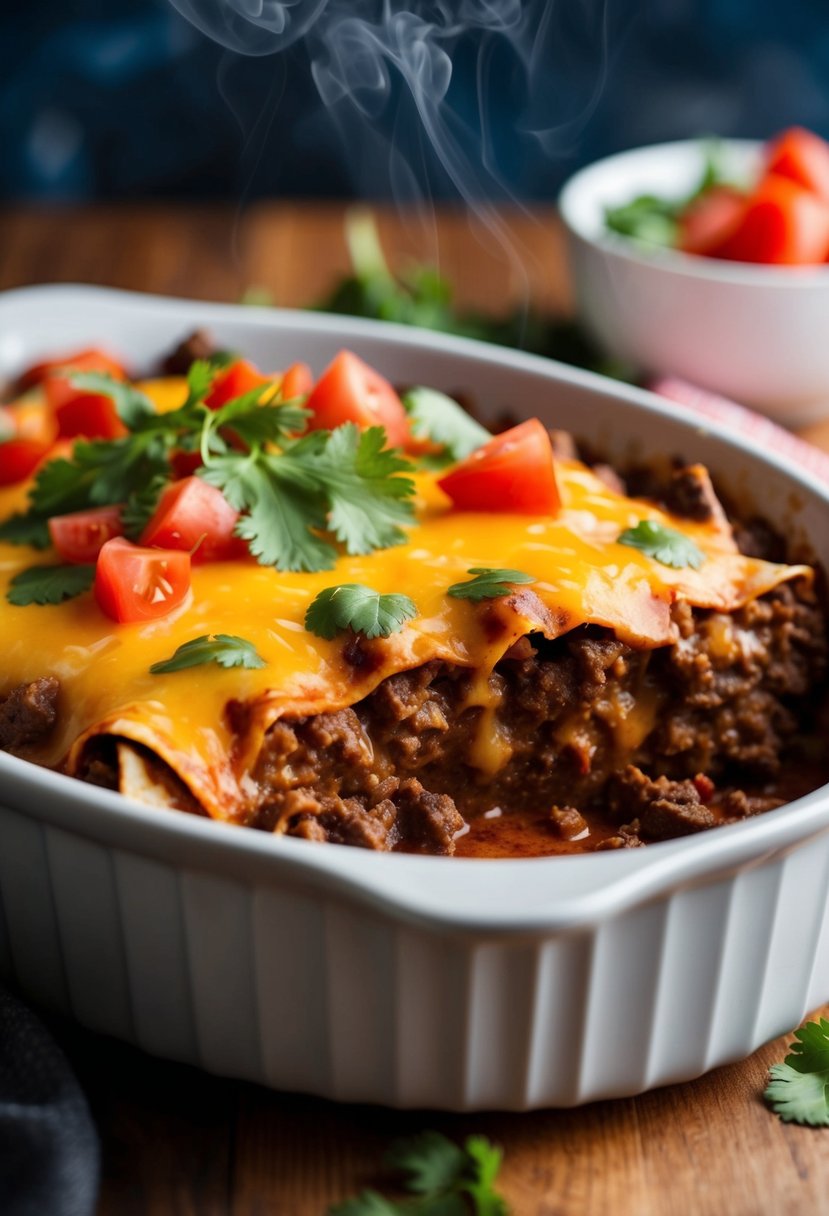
[{"x": 746, "y": 328}]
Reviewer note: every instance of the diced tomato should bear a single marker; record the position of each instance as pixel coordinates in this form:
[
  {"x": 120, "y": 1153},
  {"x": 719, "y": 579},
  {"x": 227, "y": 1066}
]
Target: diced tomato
[
  {"x": 237, "y": 378},
  {"x": 297, "y": 381},
  {"x": 135, "y": 584},
  {"x": 80, "y": 361},
  {"x": 77, "y": 412},
  {"x": 783, "y": 224},
  {"x": 710, "y": 219},
  {"x": 803, "y": 157},
  {"x": 19, "y": 458},
  {"x": 351, "y": 391},
  {"x": 513, "y": 472},
  {"x": 91, "y": 415},
  {"x": 184, "y": 464},
  {"x": 79, "y": 537},
  {"x": 196, "y": 517}
]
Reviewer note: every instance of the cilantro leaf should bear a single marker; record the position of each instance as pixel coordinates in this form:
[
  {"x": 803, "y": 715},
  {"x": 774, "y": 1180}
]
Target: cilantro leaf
[
  {"x": 488, "y": 583},
  {"x": 427, "y": 1162},
  {"x": 353, "y": 606},
  {"x": 258, "y": 421},
  {"x": 648, "y": 219},
  {"x": 442, "y": 1178},
  {"x": 140, "y": 507},
  {"x": 280, "y": 517},
  {"x": 665, "y": 545},
  {"x": 343, "y": 481},
  {"x": 436, "y": 417},
  {"x": 49, "y": 584},
  {"x": 367, "y": 501},
  {"x": 485, "y": 1162},
  {"x": 221, "y": 648},
  {"x": 24, "y": 528},
  {"x": 799, "y": 1087}
]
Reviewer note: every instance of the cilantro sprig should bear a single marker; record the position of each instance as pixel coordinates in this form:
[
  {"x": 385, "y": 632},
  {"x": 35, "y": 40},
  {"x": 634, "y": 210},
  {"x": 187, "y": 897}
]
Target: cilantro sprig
[
  {"x": 443, "y": 1178},
  {"x": 798, "y": 1090},
  {"x": 354, "y": 606},
  {"x": 223, "y": 649},
  {"x": 665, "y": 545},
  {"x": 300, "y": 496},
  {"x": 489, "y": 583},
  {"x": 49, "y": 584},
  {"x": 435, "y": 417},
  {"x": 652, "y": 219}
]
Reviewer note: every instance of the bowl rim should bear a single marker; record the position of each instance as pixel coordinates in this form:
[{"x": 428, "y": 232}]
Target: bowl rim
[
  {"x": 422, "y": 889},
  {"x": 582, "y": 184}
]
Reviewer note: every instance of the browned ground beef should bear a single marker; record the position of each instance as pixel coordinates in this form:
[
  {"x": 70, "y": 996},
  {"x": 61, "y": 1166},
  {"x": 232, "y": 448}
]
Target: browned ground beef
[
  {"x": 28, "y": 714},
  {"x": 722, "y": 716},
  {"x": 199, "y": 345}
]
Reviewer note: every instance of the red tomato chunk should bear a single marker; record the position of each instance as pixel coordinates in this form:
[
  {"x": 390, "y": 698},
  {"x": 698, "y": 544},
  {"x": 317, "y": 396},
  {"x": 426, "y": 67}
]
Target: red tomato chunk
[
  {"x": 233, "y": 381},
  {"x": 19, "y": 458},
  {"x": 351, "y": 391},
  {"x": 196, "y": 517},
  {"x": 514, "y": 472},
  {"x": 79, "y": 537},
  {"x": 135, "y": 584}
]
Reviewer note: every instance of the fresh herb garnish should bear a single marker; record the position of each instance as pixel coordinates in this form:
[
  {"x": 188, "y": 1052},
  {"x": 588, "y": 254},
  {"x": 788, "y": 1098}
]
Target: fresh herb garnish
[
  {"x": 654, "y": 219},
  {"x": 438, "y": 418},
  {"x": 799, "y": 1087},
  {"x": 298, "y": 497},
  {"x": 353, "y": 606},
  {"x": 343, "y": 481},
  {"x": 489, "y": 583},
  {"x": 49, "y": 584},
  {"x": 665, "y": 545},
  {"x": 221, "y": 648},
  {"x": 140, "y": 507},
  {"x": 26, "y": 529},
  {"x": 442, "y": 1178},
  {"x": 647, "y": 218}
]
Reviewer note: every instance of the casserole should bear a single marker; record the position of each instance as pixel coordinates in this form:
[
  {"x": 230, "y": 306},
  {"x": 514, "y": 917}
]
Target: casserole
[{"x": 411, "y": 980}]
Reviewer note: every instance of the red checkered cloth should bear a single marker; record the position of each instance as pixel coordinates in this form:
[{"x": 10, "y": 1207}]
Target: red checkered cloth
[{"x": 745, "y": 422}]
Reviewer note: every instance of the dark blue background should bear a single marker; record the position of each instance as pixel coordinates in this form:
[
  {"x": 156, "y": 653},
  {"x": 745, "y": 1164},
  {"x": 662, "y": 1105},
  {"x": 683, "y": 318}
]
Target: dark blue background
[{"x": 126, "y": 100}]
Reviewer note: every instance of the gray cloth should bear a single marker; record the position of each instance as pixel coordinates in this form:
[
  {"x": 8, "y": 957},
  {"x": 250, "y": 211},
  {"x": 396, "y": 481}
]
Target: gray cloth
[{"x": 49, "y": 1153}]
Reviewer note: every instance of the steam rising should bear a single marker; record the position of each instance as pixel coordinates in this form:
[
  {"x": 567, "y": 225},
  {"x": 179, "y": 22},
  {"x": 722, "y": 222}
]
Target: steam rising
[{"x": 388, "y": 66}]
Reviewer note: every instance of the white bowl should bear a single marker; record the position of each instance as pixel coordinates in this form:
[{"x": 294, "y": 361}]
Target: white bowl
[
  {"x": 407, "y": 980},
  {"x": 753, "y": 333}
]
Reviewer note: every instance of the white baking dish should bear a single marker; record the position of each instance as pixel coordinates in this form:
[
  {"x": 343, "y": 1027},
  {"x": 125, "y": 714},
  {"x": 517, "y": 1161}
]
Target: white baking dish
[{"x": 412, "y": 981}]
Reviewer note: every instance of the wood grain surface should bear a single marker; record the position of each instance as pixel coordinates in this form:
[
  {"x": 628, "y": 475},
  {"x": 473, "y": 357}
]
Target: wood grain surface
[{"x": 177, "y": 1142}]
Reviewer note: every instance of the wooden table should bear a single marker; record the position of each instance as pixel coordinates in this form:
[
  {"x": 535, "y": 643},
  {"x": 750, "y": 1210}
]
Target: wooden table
[{"x": 179, "y": 1143}]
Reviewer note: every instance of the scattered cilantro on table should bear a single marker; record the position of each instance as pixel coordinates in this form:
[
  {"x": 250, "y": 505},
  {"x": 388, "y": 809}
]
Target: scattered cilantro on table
[
  {"x": 443, "y": 1179},
  {"x": 798, "y": 1090},
  {"x": 665, "y": 545},
  {"x": 49, "y": 584},
  {"x": 353, "y": 606},
  {"x": 488, "y": 583},
  {"x": 221, "y": 648}
]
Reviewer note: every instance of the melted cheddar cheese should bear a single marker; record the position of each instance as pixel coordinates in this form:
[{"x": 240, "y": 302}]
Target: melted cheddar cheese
[{"x": 583, "y": 576}]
